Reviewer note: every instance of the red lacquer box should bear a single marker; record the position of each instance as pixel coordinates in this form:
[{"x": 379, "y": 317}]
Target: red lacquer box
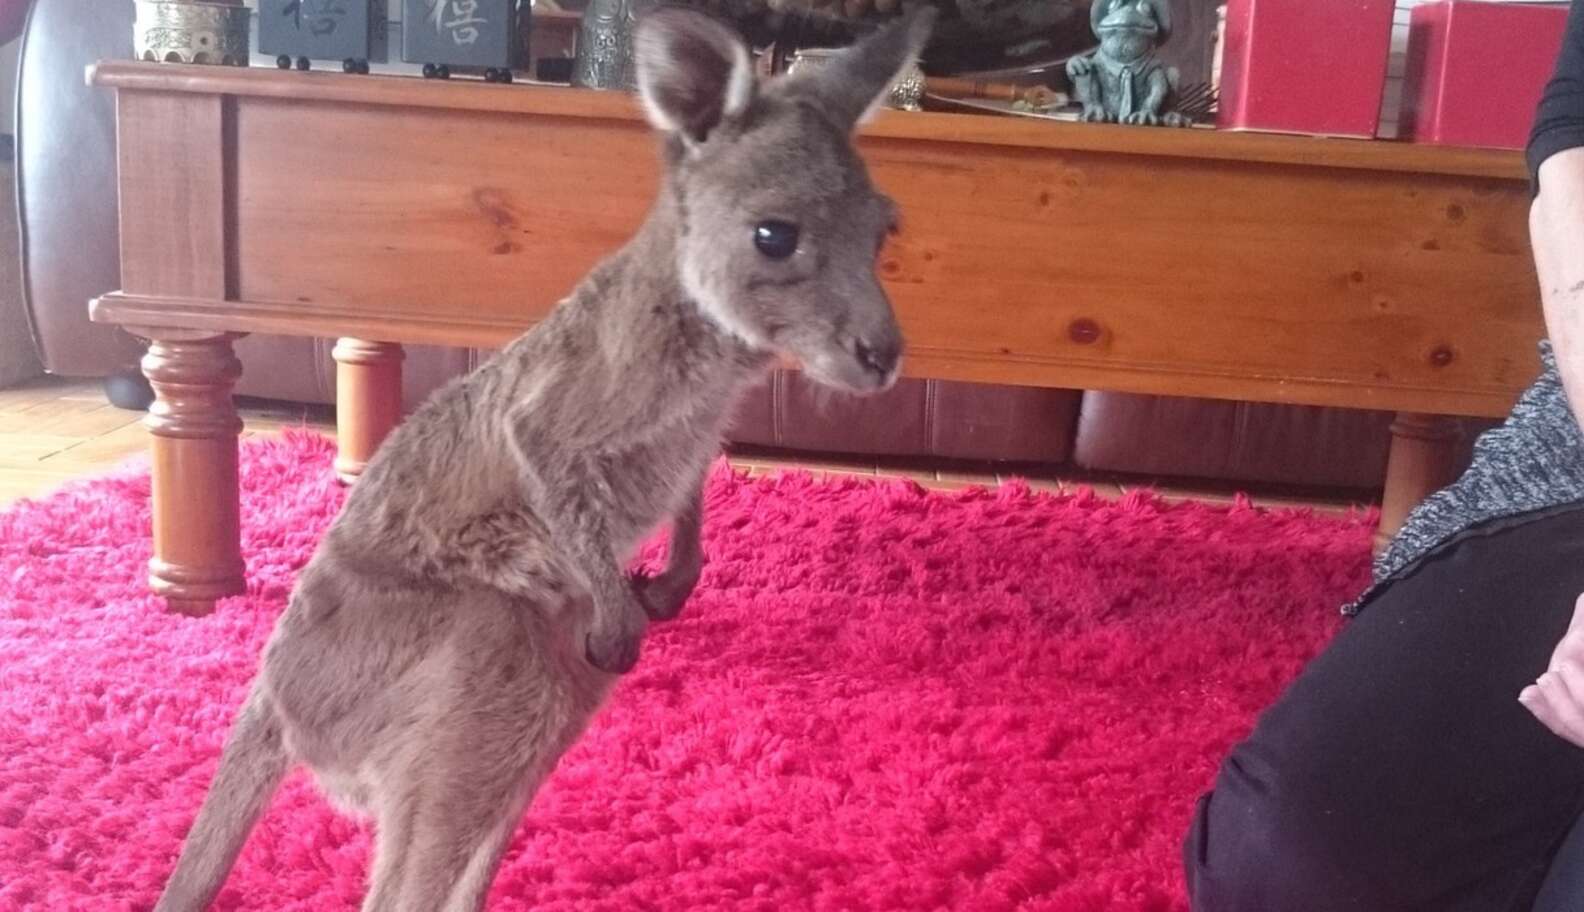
[
  {"x": 1305, "y": 66},
  {"x": 1476, "y": 70}
]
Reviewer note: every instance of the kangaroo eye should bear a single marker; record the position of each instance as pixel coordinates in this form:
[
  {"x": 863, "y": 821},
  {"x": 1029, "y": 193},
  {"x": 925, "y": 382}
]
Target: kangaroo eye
[{"x": 776, "y": 240}]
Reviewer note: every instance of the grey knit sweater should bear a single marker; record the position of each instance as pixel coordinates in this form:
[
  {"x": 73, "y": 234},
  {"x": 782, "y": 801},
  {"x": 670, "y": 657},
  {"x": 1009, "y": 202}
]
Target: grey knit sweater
[{"x": 1532, "y": 462}]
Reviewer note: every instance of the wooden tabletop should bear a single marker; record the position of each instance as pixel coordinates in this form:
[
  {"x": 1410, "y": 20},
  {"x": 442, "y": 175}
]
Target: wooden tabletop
[{"x": 542, "y": 100}]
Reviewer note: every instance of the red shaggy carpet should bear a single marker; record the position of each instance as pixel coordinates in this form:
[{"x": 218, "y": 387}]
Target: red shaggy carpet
[{"x": 880, "y": 699}]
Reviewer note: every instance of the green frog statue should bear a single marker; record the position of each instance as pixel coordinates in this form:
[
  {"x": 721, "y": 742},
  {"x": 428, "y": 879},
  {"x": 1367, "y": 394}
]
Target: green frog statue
[{"x": 1123, "y": 81}]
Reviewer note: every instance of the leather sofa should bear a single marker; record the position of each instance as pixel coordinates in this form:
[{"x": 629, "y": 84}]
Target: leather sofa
[
  {"x": 66, "y": 192},
  {"x": 18, "y": 358}
]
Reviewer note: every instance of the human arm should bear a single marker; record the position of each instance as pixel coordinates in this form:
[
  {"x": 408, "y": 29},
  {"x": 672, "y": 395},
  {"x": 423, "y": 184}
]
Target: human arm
[
  {"x": 1556, "y": 216},
  {"x": 1556, "y": 230}
]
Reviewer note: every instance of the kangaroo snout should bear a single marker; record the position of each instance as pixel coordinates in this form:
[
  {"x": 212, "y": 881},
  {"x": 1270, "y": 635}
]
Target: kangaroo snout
[
  {"x": 879, "y": 355},
  {"x": 881, "y": 359}
]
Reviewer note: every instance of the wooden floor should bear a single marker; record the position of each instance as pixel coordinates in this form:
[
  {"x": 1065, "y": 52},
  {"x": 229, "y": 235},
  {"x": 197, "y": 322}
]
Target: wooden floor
[{"x": 53, "y": 431}]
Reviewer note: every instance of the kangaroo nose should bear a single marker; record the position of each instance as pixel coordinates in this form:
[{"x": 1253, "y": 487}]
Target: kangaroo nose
[{"x": 881, "y": 359}]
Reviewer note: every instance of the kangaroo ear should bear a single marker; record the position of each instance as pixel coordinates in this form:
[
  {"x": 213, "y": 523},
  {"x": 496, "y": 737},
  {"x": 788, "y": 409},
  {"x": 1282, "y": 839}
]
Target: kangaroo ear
[
  {"x": 857, "y": 80},
  {"x": 694, "y": 73}
]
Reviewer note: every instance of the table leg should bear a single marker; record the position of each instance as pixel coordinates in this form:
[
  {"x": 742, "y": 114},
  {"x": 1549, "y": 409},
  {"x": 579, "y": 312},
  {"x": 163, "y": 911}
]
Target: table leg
[
  {"x": 368, "y": 400},
  {"x": 194, "y": 426},
  {"x": 1423, "y": 452}
]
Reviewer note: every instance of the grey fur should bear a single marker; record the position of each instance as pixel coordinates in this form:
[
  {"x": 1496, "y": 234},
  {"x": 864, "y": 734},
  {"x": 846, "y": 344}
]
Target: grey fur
[{"x": 465, "y": 614}]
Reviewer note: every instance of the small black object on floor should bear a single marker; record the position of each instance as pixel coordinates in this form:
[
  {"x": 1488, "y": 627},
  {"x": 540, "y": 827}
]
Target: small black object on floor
[{"x": 129, "y": 389}]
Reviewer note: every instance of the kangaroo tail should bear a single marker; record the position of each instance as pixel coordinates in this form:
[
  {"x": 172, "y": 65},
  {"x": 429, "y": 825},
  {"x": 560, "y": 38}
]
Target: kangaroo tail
[{"x": 251, "y": 768}]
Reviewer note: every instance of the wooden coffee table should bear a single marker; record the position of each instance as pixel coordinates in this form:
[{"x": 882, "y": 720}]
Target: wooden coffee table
[{"x": 387, "y": 210}]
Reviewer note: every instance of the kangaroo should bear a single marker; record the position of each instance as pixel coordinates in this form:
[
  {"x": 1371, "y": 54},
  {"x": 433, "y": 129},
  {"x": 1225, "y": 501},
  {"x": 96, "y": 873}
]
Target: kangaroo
[{"x": 468, "y": 610}]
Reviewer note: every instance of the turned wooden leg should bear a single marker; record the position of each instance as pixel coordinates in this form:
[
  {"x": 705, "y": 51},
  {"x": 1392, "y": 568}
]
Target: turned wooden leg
[
  {"x": 368, "y": 400},
  {"x": 194, "y": 428},
  {"x": 1423, "y": 451}
]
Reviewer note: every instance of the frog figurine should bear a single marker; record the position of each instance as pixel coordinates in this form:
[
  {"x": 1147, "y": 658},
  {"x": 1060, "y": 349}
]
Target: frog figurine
[{"x": 1123, "y": 81}]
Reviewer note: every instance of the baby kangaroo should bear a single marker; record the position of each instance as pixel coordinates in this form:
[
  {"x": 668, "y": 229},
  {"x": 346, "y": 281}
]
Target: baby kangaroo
[{"x": 466, "y": 612}]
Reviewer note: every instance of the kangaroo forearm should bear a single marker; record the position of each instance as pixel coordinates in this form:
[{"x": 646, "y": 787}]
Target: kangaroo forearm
[
  {"x": 687, "y": 551},
  {"x": 571, "y": 501}
]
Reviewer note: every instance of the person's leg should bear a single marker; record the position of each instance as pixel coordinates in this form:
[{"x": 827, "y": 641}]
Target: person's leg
[
  {"x": 1399, "y": 770},
  {"x": 1563, "y": 890}
]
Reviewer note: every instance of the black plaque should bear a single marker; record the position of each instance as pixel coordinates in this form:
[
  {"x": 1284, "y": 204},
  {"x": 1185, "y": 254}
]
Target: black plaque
[
  {"x": 322, "y": 29},
  {"x": 477, "y": 33}
]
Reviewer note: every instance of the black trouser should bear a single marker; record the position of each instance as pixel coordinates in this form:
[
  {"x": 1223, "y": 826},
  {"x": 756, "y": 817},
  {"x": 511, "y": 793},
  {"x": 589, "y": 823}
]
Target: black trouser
[{"x": 1399, "y": 771}]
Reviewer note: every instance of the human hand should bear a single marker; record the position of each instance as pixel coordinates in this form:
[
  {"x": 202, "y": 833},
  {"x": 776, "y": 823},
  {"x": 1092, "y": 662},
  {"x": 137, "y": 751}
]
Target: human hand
[{"x": 1557, "y": 698}]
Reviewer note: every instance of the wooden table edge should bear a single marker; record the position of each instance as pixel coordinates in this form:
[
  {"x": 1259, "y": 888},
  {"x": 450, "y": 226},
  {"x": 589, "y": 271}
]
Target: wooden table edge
[
  {"x": 933, "y": 362},
  {"x": 543, "y": 100}
]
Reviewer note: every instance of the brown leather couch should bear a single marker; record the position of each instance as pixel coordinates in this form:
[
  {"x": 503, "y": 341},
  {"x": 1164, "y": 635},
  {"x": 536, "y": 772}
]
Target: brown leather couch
[
  {"x": 18, "y": 356},
  {"x": 66, "y": 190}
]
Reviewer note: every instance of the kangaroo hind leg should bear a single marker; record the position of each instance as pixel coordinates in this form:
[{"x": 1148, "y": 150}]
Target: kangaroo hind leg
[{"x": 440, "y": 842}]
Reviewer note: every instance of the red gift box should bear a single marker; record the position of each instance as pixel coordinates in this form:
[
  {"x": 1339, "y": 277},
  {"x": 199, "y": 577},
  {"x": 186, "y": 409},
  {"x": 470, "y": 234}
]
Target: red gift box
[
  {"x": 1305, "y": 66},
  {"x": 1476, "y": 70}
]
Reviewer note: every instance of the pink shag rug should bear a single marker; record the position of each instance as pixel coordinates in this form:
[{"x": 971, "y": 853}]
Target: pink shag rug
[{"x": 881, "y": 698}]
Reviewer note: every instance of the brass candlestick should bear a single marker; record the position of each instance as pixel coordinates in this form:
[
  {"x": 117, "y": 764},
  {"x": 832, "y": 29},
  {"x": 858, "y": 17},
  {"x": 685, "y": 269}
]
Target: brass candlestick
[{"x": 182, "y": 31}]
